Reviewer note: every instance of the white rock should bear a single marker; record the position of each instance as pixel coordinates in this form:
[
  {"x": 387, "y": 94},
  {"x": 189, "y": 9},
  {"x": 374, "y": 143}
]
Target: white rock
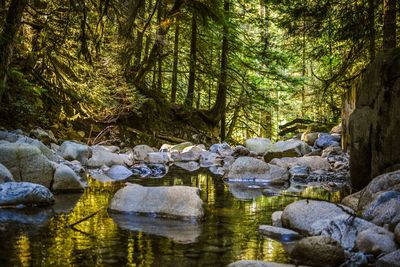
[{"x": 258, "y": 144}]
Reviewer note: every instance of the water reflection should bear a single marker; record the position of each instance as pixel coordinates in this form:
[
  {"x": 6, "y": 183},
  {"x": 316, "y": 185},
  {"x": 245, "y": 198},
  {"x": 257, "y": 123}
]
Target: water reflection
[{"x": 229, "y": 233}]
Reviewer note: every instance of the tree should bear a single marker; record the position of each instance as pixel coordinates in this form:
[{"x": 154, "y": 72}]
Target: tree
[{"x": 389, "y": 25}]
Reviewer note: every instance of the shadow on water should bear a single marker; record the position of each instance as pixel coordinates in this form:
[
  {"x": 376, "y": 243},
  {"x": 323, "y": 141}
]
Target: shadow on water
[{"x": 228, "y": 233}]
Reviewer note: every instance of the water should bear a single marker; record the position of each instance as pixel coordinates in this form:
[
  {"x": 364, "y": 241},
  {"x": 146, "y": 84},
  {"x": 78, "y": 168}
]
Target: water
[{"x": 41, "y": 237}]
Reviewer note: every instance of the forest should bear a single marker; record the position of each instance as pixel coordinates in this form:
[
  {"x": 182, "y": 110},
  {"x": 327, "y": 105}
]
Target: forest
[
  {"x": 231, "y": 69},
  {"x": 233, "y": 133}
]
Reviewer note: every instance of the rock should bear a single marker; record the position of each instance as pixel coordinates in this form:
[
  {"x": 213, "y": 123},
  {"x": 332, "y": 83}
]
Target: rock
[
  {"x": 158, "y": 157},
  {"x": 278, "y": 233},
  {"x": 384, "y": 209},
  {"x": 5, "y": 175},
  {"x": 309, "y": 138},
  {"x": 322, "y": 176},
  {"x": 391, "y": 259},
  {"x": 385, "y": 182},
  {"x": 344, "y": 229},
  {"x": 240, "y": 151},
  {"x": 75, "y": 165},
  {"x": 276, "y": 218},
  {"x": 19, "y": 138},
  {"x": 313, "y": 162},
  {"x": 245, "y": 191},
  {"x": 258, "y": 145},
  {"x": 253, "y": 263},
  {"x": 165, "y": 148},
  {"x": 208, "y": 159},
  {"x": 397, "y": 233},
  {"x": 222, "y": 149},
  {"x": 119, "y": 172},
  {"x": 101, "y": 156},
  {"x": 331, "y": 151},
  {"x": 318, "y": 251},
  {"x": 66, "y": 180},
  {"x": 13, "y": 194},
  {"x": 27, "y": 163},
  {"x": 181, "y": 202},
  {"x": 140, "y": 152},
  {"x": 190, "y": 166},
  {"x": 181, "y": 232},
  {"x": 180, "y": 147},
  {"x": 300, "y": 215},
  {"x": 289, "y": 148},
  {"x": 314, "y": 152},
  {"x": 352, "y": 200},
  {"x": 325, "y": 140},
  {"x": 190, "y": 153},
  {"x": 374, "y": 124},
  {"x": 75, "y": 151},
  {"x": 217, "y": 170},
  {"x": 44, "y": 136},
  {"x": 375, "y": 242},
  {"x": 299, "y": 173},
  {"x": 251, "y": 169}
]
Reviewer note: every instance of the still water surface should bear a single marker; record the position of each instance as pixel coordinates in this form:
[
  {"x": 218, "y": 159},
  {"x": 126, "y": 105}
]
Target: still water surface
[{"x": 229, "y": 232}]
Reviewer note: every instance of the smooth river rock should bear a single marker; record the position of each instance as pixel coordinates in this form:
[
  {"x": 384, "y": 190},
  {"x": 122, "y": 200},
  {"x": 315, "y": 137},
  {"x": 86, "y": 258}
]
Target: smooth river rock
[
  {"x": 180, "y": 202},
  {"x": 318, "y": 251},
  {"x": 66, "y": 180},
  {"x": 5, "y": 175},
  {"x": 70, "y": 150},
  {"x": 13, "y": 194},
  {"x": 313, "y": 162},
  {"x": 102, "y": 156},
  {"x": 289, "y": 148},
  {"x": 140, "y": 152},
  {"x": 300, "y": 215},
  {"x": 384, "y": 209},
  {"x": 258, "y": 144},
  {"x": 375, "y": 241},
  {"x": 279, "y": 233},
  {"x": 251, "y": 169}
]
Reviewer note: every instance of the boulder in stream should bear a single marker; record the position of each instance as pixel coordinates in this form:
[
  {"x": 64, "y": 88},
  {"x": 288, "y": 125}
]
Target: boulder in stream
[
  {"x": 178, "y": 202},
  {"x": 279, "y": 233},
  {"x": 258, "y": 144},
  {"x": 5, "y": 175},
  {"x": 14, "y": 193},
  {"x": 71, "y": 150},
  {"x": 289, "y": 148}
]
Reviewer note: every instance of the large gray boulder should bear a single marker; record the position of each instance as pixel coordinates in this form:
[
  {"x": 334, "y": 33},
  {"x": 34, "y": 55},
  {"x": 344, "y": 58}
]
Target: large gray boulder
[
  {"x": 344, "y": 229},
  {"x": 190, "y": 153},
  {"x": 27, "y": 163},
  {"x": 119, "y": 172},
  {"x": 208, "y": 159},
  {"x": 19, "y": 138},
  {"x": 251, "y": 169},
  {"x": 300, "y": 215},
  {"x": 178, "y": 202},
  {"x": 391, "y": 259},
  {"x": 384, "y": 209},
  {"x": 374, "y": 124},
  {"x": 258, "y": 144},
  {"x": 66, "y": 180},
  {"x": 102, "y": 156},
  {"x": 374, "y": 241},
  {"x": 5, "y": 175},
  {"x": 326, "y": 140},
  {"x": 13, "y": 194},
  {"x": 318, "y": 251},
  {"x": 385, "y": 182},
  {"x": 223, "y": 149},
  {"x": 289, "y": 148},
  {"x": 70, "y": 150},
  {"x": 157, "y": 157},
  {"x": 313, "y": 162}
]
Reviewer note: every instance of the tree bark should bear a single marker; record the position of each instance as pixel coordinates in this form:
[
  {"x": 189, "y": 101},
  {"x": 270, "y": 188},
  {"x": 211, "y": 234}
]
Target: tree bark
[
  {"x": 174, "y": 84},
  {"x": 192, "y": 68},
  {"x": 7, "y": 39},
  {"x": 389, "y": 25},
  {"x": 217, "y": 113}
]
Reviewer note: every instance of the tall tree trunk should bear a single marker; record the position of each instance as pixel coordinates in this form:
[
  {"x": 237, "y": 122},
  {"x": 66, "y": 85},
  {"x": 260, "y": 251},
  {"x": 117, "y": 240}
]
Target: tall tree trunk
[
  {"x": 192, "y": 68},
  {"x": 371, "y": 27},
  {"x": 174, "y": 84},
  {"x": 139, "y": 39},
  {"x": 160, "y": 48},
  {"x": 217, "y": 113},
  {"x": 389, "y": 24},
  {"x": 7, "y": 39}
]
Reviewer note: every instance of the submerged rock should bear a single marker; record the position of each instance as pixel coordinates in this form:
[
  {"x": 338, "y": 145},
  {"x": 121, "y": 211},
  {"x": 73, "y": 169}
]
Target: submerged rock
[
  {"x": 5, "y": 175},
  {"x": 251, "y": 169},
  {"x": 279, "y": 233},
  {"x": 182, "y": 232},
  {"x": 181, "y": 202},
  {"x": 258, "y": 145},
  {"x": 13, "y": 194},
  {"x": 318, "y": 251},
  {"x": 244, "y": 190}
]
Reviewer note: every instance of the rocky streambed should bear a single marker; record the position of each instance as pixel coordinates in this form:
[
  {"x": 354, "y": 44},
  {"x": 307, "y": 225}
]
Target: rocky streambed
[{"x": 184, "y": 204}]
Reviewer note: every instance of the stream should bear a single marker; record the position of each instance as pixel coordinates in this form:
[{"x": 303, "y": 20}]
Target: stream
[{"x": 41, "y": 237}]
